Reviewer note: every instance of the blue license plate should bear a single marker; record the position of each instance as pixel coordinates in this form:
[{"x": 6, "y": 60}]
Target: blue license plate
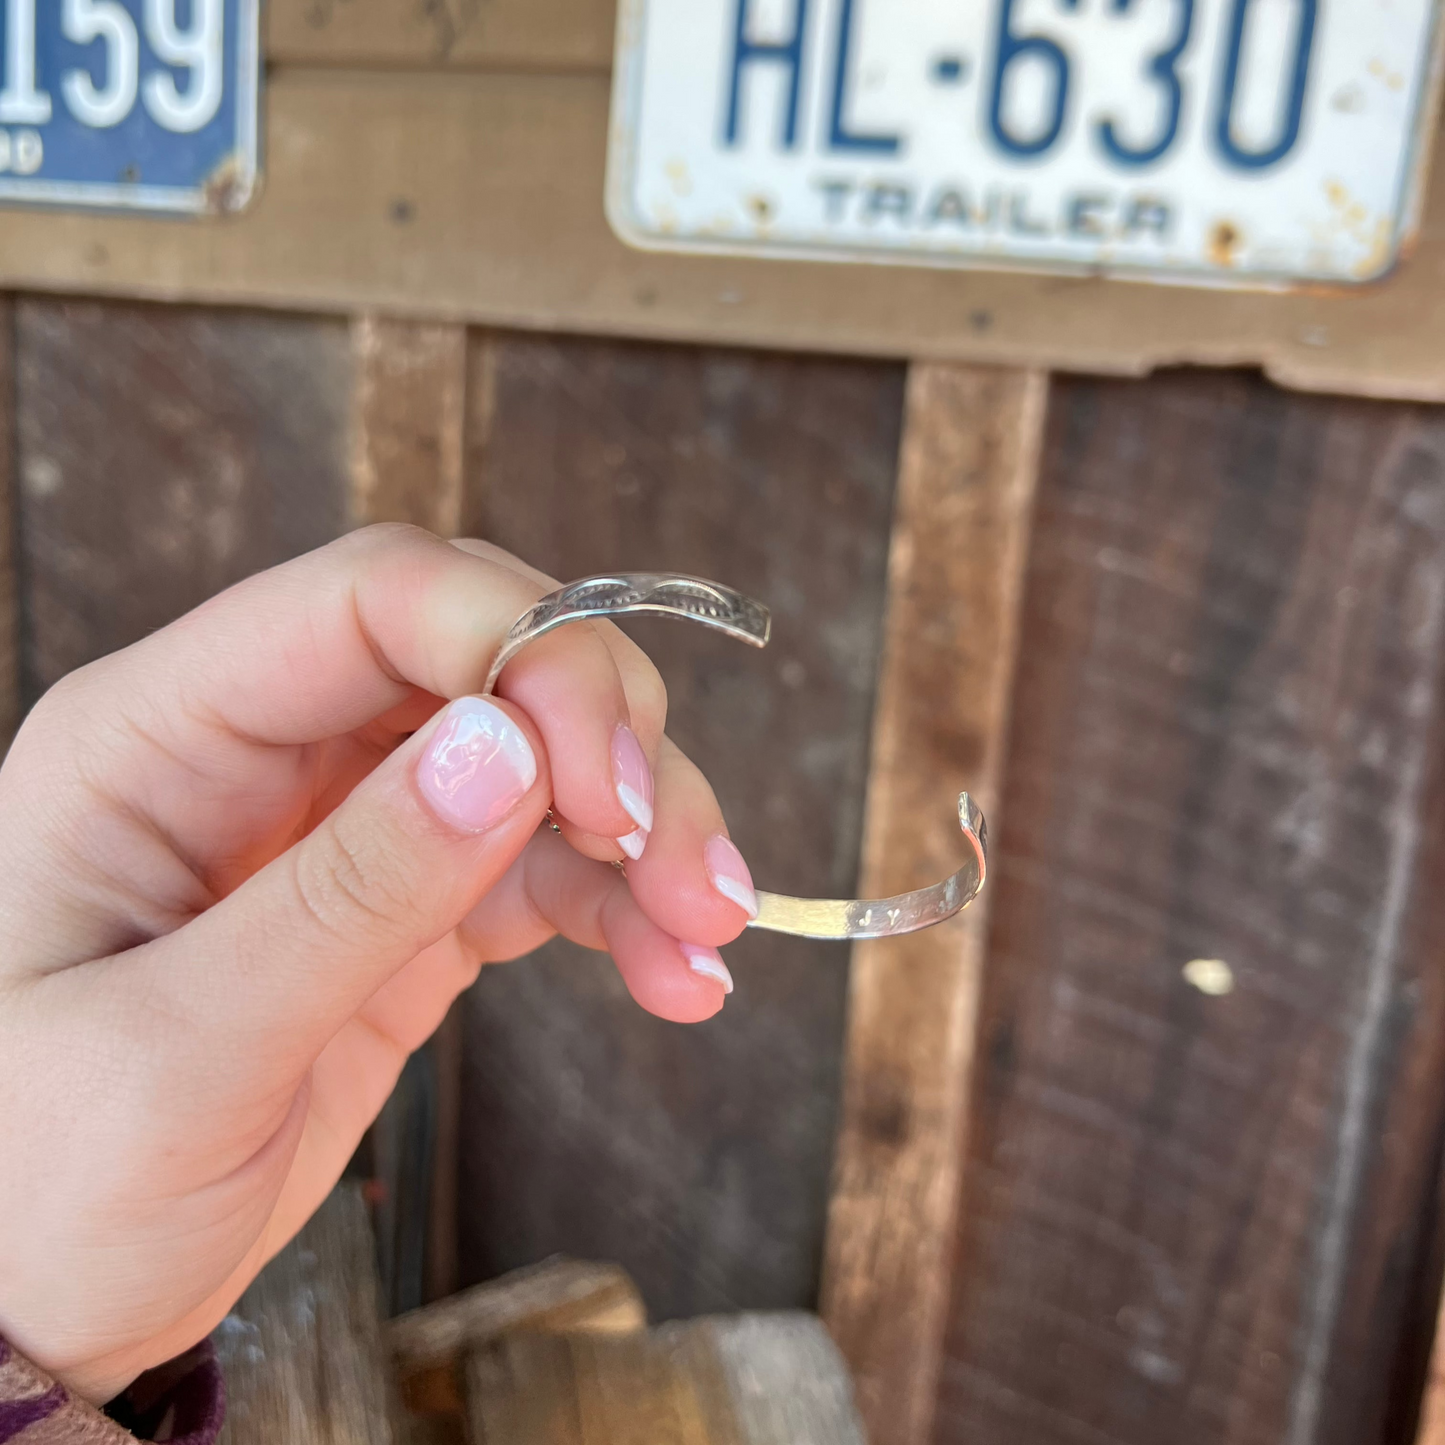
[{"x": 147, "y": 105}]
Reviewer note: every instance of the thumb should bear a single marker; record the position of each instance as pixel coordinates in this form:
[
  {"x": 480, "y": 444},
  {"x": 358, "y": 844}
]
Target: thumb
[{"x": 282, "y": 963}]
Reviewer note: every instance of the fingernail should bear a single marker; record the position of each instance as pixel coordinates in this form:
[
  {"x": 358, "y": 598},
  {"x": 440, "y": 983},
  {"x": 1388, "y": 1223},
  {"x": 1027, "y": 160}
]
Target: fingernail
[
  {"x": 479, "y": 765},
  {"x": 634, "y": 843},
  {"x": 632, "y": 777},
  {"x": 708, "y": 962},
  {"x": 729, "y": 874}
]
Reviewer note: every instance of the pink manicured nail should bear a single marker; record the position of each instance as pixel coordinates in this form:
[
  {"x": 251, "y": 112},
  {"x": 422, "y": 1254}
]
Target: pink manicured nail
[
  {"x": 729, "y": 874},
  {"x": 633, "y": 843},
  {"x": 479, "y": 765},
  {"x": 708, "y": 962},
  {"x": 632, "y": 777}
]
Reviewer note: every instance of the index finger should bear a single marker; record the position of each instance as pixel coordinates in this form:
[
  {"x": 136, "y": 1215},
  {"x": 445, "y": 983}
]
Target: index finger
[{"x": 321, "y": 646}]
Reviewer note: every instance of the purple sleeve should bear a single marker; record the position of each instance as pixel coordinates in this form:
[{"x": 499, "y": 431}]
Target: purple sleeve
[{"x": 180, "y": 1403}]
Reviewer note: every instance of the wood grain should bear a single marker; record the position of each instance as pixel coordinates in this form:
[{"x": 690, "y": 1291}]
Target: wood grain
[
  {"x": 376, "y": 200},
  {"x": 960, "y": 533},
  {"x": 429, "y": 1346},
  {"x": 9, "y": 538},
  {"x": 163, "y": 455},
  {"x": 1214, "y": 1216},
  {"x": 302, "y": 1353},
  {"x": 402, "y": 1149},
  {"x": 697, "y": 1158},
  {"x": 734, "y": 1380},
  {"x": 559, "y": 1296},
  {"x": 467, "y": 34},
  {"x": 442, "y": 1269},
  {"x": 410, "y": 407}
]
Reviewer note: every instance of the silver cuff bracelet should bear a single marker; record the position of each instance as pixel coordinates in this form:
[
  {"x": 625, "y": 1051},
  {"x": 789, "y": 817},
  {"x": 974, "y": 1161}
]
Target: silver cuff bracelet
[{"x": 693, "y": 600}]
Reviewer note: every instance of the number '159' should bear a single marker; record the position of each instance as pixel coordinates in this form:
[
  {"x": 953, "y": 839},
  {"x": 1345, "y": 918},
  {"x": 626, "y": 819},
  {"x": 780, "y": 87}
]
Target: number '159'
[{"x": 102, "y": 90}]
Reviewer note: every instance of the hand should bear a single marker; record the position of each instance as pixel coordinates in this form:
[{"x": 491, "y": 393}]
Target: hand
[{"x": 245, "y": 867}]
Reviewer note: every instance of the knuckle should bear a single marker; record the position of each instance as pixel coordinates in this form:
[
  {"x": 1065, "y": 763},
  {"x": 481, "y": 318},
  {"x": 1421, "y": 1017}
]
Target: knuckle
[
  {"x": 62, "y": 696},
  {"x": 381, "y": 536},
  {"x": 375, "y": 544},
  {"x": 345, "y": 884}
]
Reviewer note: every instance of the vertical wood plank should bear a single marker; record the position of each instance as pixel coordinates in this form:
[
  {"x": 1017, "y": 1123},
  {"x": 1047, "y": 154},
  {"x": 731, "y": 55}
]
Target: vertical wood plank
[
  {"x": 1201, "y": 1197},
  {"x": 409, "y": 418},
  {"x": 9, "y": 536},
  {"x": 706, "y": 1152},
  {"x": 163, "y": 454},
  {"x": 411, "y": 392},
  {"x": 303, "y": 1353},
  {"x": 478, "y": 383},
  {"x": 441, "y": 1276},
  {"x": 960, "y": 532}
]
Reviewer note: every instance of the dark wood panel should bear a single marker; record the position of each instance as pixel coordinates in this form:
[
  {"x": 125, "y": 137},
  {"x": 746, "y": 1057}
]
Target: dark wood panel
[
  {"x": 699, "y": 1157},
  {"x": 164, "y": 454},
  {"x": 1194, "y": 1216}
]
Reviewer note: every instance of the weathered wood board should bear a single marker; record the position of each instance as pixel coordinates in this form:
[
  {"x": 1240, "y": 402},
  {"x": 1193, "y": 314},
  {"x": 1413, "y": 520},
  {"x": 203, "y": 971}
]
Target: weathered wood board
[
  {"x": 558, "y": 1296},
  {"x": 698, "y": 1158},
  {"x": 163, "y": 455},
  {"x": 1432, "y": 1404},
  {"x": 483, "y": 34},
  {"x": 407, "y": 425},
  {"x": 430, "y": 1346},
  {"x": 1207, "y": 1217},
  {"x": 1201, "y": 1194},
  {"x": 302, "y": 1352},
  {"x": 730, "y": 1380},
  {"x": 957, "y": 558},
  {"x": 379, "y": 195}
]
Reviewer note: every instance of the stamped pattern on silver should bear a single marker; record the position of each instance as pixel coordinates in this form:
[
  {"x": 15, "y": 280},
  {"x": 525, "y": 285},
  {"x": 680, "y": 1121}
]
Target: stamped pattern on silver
[
  {"x": 656, "y": 594},
  {"x": 691, "y": 599}
]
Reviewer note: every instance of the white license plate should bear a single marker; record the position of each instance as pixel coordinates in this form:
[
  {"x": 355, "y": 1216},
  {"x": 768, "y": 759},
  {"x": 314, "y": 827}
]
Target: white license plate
[{"x": 1220, "y": 141}]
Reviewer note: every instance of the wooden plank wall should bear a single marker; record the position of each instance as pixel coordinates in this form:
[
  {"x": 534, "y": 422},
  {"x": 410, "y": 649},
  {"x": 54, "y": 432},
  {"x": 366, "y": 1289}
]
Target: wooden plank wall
[
  {"x": 166, "y": 452},
  {"x": 1200, "y": 1200},
  {"x": 1200, "y": 1195},
  {"x": 372, "y": 112}
]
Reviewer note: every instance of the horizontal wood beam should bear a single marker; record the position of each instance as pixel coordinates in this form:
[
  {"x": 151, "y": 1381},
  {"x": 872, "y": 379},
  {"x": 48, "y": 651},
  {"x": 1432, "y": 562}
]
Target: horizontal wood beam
[
  {"x": 478, "y": 198},
  {"x": 557, "y": 35}
]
